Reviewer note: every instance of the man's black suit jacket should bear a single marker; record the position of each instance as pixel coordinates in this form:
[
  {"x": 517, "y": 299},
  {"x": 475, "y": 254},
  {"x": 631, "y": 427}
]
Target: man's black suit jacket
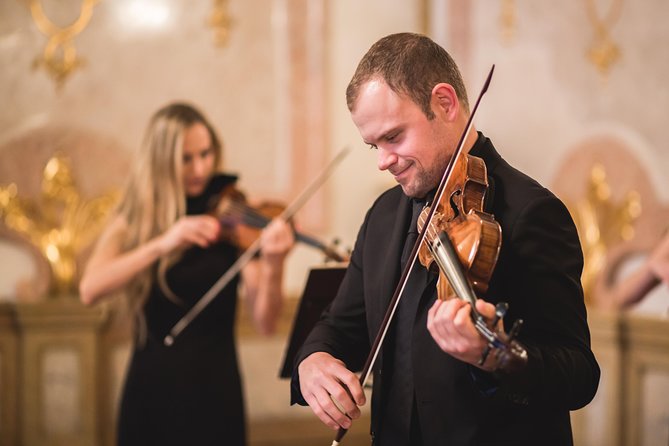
[{"x": 538, "y": 274}]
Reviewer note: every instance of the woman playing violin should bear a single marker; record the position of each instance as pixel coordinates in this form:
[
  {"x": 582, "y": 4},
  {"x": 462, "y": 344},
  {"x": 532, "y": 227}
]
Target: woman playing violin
[
  {"x": 431, "y": 387},
  {"x": 164, "y": 250}
]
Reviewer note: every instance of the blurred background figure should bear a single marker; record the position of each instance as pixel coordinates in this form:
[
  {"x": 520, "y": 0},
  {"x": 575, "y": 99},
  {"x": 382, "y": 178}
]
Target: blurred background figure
[
  {"x": 654, "y": 271},
  {"x": 166, "y": 252}
]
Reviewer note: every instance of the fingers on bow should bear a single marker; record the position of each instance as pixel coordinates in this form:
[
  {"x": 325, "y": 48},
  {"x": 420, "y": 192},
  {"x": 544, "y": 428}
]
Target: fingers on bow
[{"x": 335, "y": 405}]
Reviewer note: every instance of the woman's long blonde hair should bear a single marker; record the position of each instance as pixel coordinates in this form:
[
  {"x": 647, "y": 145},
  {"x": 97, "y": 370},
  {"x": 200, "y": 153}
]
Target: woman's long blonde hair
[{"x": 154, "y": 196}]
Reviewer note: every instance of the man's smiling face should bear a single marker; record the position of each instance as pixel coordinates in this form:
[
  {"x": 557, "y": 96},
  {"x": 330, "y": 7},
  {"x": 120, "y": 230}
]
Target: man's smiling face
[{"x": 414, "y": 149}]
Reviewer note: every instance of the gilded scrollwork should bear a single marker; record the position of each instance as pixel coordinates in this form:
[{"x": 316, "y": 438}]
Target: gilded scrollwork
[
  {"x": 507, "y": 20},
  {"x": 59, "y": 58},
  {"x": 60, "y": 223},
  {"x": 604, "y": 52},
  {"x": 602, "y": 223},
  {"x": 221, "y": 21}
]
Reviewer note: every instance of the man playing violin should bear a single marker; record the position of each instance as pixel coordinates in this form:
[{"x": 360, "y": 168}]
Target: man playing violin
[{"x": 408, "y": 101}]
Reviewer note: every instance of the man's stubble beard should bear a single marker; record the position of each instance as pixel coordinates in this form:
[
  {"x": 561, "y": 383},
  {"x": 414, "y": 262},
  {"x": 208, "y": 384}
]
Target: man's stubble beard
[{"x": 428, "y": 180}]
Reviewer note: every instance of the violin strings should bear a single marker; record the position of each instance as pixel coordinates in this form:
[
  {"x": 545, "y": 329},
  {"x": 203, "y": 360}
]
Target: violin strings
[
  {"x": 431, "y": 233},
  {"x": 239, "y": 209}
]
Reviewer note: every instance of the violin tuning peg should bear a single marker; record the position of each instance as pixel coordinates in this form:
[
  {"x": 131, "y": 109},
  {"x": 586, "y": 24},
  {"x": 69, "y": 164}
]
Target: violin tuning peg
[
  {"x": 501, "y": 308},
  {"x": 515, "y": 328},
  {"x": 500, "y": 311}
]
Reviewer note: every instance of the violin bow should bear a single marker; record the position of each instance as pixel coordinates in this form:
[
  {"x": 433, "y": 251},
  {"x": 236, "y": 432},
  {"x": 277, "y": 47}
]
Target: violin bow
[
  {"x": 399, "y": 290},
  {"x": 252, "y": 250}
]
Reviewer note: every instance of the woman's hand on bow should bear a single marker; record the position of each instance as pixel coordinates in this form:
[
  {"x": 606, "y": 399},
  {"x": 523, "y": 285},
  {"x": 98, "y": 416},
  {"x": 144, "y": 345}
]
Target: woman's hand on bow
[{"x": 276, "y": 241}]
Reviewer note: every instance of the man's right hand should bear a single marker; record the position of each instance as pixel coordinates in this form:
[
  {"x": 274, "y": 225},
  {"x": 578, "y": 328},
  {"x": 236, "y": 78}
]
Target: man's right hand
[{"x": 332, "y": 391}]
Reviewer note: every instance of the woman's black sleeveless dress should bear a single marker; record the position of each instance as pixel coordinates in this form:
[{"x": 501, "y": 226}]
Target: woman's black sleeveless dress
[{"x": 189, "y": 393}]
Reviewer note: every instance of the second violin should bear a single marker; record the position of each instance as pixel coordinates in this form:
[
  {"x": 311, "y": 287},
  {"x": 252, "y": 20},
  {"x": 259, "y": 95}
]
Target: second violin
[{"x": 241, "y": 223}]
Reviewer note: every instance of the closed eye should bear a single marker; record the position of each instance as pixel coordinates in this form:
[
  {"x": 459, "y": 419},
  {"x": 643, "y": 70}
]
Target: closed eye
[
  {"x": 393, "y": 137},
  {"x": 203, "y": 154}
]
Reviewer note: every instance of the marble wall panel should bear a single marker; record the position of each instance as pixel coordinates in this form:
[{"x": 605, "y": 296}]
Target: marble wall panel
[
  {"x": 61, "y": 392},
  {"x": 655, "y": 409},
  {"x": 547, "y": 95}
]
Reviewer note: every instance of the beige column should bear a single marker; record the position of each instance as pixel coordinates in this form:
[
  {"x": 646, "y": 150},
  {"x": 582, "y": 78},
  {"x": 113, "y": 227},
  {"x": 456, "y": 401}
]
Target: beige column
[
  {"x": 9, "y": 357},
  {"x": 59, "y": 351}
]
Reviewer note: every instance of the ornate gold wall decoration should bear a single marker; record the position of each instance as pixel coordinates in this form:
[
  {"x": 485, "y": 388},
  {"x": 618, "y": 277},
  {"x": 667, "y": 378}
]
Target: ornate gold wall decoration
[
  {"x": 602, "y": 223},
  {"x": 221, "y": 21},
  {"x": 60, "y": 224},
  {"x": 59, "y": 58},
  {"x": 507, "y": 19},
  {"x": 604, "y": 52}
]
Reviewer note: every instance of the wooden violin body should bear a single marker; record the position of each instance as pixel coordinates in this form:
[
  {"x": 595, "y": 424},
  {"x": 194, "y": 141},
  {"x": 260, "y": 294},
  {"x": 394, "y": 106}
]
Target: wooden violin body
[
  {"x": 241, "y": 223},
  {"x": 476, "y": 235}
]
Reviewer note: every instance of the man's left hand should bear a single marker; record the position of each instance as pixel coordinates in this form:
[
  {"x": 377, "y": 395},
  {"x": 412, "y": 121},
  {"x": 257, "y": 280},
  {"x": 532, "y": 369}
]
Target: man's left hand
[{"x": 451, "y": 326}]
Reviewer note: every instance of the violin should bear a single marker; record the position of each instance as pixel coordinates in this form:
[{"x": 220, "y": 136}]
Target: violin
[
  {"x": 464, "y": 243},
  {"x": 241, "y": 223},
  {"x": 476, "y": 235}
]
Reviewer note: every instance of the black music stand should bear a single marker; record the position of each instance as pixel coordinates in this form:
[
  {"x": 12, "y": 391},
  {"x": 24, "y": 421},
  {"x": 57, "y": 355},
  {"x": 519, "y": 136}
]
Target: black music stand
[{"x": 321, "y": 287}]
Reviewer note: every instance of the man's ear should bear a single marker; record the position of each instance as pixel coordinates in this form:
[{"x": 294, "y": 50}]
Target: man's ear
[{"x": 445, "y": 101}]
